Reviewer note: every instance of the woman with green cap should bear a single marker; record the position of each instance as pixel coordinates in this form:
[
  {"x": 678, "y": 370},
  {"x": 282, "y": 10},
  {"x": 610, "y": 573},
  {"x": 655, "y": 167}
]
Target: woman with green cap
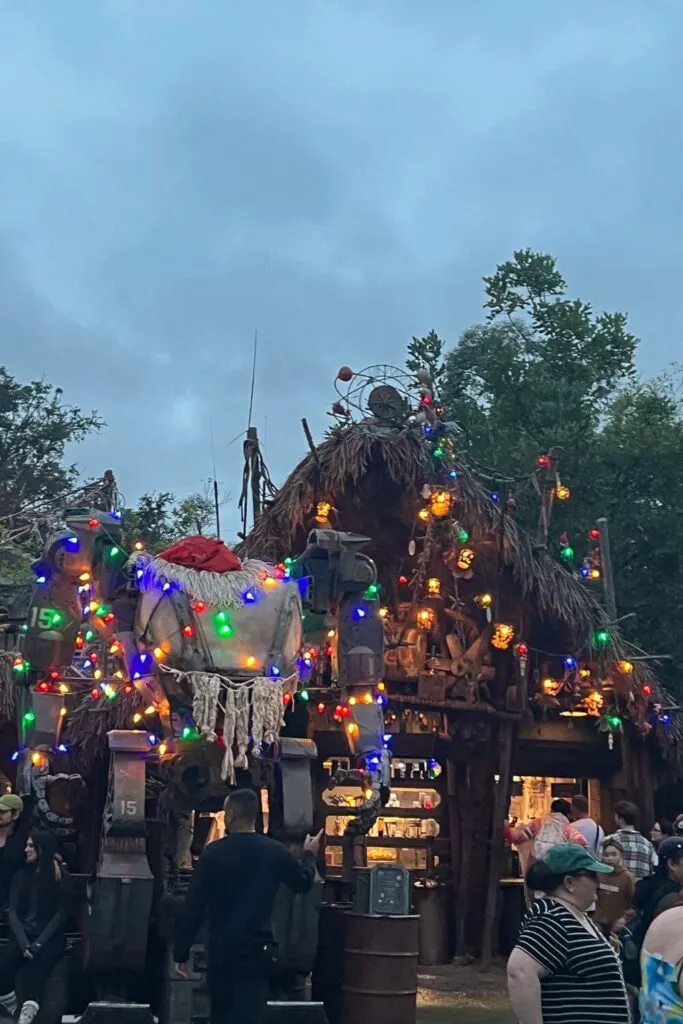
[{"x": 563, "y": 968}]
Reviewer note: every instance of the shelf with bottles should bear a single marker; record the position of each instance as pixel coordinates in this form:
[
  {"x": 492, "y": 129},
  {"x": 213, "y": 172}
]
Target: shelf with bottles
[
  {"x": 401, "y": 799},
  {"x": 387, "y": 827},
  {"x": 413, "y": 858},
  {"x": 406, "y": 771}
]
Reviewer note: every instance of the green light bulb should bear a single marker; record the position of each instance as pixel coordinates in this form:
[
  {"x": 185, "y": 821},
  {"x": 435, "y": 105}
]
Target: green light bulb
[
  {"x": 602, "y": 637},
  {"x": 567, "y": 552}
]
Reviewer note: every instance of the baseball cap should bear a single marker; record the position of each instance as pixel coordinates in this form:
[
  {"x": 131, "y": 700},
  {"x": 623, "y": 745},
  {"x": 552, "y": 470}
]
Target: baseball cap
[
  {"x": 670, "y": 848},
  {"x": 11, "y": 802},
  {"x": 570, "y": 859}
]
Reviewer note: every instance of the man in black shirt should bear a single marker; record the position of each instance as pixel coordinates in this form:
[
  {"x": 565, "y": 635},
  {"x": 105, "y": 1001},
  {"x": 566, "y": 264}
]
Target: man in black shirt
[{"x": 236, "y": 881}]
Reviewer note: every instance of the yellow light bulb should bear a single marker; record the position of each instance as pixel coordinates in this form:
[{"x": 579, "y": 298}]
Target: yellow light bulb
[
  {"x": 270, "y": 582},
  {"x": 62, "y": 712},
  {"x": 162, "y": 749},
  {"x": 139, "y": 546},
  {"x": 137, "y": 717},
  {"x": 352, "y": 728},
  {"x": 367, "y": 698},
  {"x": 150, "y": 710},
  {"x": 626, "y": 667},
  {"x": 158, "y": 653},
  {"x": 84, "y": 577},
  {"x": 63, "y": 688},
  {"x": 423, "y": 514},
  {"x": 381, "y": 687},
  {"x": 331, "y": 633},
  {"x": 352, "y": 701},
  {"x": 250, "y": 662},
  {"x": 97, "y": 674},
  {"x": 383, "y": 612}
]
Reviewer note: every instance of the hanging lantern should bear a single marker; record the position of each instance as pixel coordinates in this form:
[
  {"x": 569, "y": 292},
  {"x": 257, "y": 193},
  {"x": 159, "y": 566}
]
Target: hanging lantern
[
  {"x": 440, "y": 504},
  {"x": 425, "y": 618},
  {"x": 503, "y": 635},
  {"x": 465, "y": 559},
  {"x": 434, "y": 586},
  {"x": 322, "y": 511}
]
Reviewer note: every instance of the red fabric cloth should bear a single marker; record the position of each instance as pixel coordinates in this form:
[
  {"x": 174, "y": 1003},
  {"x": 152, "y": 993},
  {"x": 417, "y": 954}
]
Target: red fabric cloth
[{"x": 203, "y": 554}]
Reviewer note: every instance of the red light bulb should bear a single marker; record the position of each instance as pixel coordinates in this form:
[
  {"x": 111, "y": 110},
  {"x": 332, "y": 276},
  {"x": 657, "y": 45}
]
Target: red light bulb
[
  {"x": 522, "y": 650},
  {"x": 93, "y": 523},
  {"x": 403, "y": 580},
  {"x": 647, "y": 690},
  {"x": 188, "y": 631},
  {"x": 594, "y": 534}
]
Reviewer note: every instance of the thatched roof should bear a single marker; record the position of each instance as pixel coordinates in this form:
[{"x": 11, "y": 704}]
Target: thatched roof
[
  {"x": 351, "y": 453},
  {"x": 349, "y": 469}
]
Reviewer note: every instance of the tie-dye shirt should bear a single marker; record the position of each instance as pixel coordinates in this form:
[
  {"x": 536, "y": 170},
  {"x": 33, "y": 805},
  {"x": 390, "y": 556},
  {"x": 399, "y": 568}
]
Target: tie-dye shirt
[{"x": 660, "y": 999}]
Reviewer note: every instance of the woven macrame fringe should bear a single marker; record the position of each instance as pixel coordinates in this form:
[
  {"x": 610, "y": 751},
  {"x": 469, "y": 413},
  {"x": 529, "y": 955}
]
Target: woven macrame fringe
[
  {"x": 224, "y": 588},
  {"x": 258, "y": 702}
]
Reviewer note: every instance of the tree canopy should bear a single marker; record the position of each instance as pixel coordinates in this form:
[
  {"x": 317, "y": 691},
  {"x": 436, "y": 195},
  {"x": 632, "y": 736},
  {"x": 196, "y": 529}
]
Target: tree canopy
[
  {"x": 36, "y": 426},
  {"x": 545, "y": 374}
]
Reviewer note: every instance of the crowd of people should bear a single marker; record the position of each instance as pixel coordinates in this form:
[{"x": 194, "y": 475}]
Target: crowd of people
[{"x": 602, "y": 940}]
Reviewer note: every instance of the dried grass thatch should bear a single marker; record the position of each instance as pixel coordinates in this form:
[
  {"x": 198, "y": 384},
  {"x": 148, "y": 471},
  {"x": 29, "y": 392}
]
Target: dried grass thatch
[{"x": 352, "y": 467}]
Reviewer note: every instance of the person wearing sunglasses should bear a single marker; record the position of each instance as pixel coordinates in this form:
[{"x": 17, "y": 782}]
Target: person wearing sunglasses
[{"x": 561, "y": 958}]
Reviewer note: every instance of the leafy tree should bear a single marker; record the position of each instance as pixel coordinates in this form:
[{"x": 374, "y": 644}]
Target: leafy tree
[
  {"x": 194, "y": 514},
  {"x": 35, "y": 427},
  {"x": 159, "y": 520},
  {"x": 151, "y": 521},
  {"x": 426, "y": 353},
  {"x": 546, "y": 374}
]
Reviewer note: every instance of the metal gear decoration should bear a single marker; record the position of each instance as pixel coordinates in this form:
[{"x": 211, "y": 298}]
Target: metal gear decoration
[{"x": 382, "y": 392}]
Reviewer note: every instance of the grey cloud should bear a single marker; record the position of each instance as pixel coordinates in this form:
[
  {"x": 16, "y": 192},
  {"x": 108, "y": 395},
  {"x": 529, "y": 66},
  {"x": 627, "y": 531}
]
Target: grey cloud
[{"x": 339, "y": 175}]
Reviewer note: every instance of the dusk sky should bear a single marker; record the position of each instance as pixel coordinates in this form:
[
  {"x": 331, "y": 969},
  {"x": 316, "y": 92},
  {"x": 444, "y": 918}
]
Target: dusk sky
[{"x": 337, "y": 174}]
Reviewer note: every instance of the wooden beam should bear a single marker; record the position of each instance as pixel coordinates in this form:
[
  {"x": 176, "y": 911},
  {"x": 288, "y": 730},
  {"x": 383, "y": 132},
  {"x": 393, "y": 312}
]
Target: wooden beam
[
  {"x": 406, "y": 700},
  {"x": 500, "y": 806}
]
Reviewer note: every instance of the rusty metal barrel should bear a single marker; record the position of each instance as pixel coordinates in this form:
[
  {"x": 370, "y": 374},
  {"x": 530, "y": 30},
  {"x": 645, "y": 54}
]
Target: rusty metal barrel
[{"x": 380, "y": 969}]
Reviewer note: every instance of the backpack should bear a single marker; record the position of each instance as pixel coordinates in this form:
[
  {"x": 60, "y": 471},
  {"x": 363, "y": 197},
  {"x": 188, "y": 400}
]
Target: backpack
[
  {"x": 630, "y": 944},
  {"x": 551, "y": 833}
]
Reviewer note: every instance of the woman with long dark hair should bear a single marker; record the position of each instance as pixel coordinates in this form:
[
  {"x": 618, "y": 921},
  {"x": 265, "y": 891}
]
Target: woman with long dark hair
[{"x": 38, "y": 908}]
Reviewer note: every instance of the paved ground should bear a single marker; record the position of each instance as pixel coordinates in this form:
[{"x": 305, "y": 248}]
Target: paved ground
[{"x": 477, "y": 998}]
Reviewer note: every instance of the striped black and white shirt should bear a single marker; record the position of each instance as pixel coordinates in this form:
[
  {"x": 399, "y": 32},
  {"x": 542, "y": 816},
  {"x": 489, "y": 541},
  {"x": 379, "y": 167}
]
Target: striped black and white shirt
[{"x": 584, "y": 984}]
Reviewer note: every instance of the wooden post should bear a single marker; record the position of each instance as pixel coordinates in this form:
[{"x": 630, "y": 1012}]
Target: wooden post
[
  {"x": 607, "y": 573},
  {"x": 502, "y": 799}
]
